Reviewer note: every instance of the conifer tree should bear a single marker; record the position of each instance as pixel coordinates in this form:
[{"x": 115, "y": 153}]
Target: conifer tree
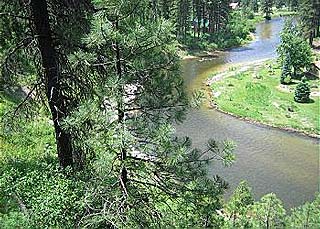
[
  {"x": 309, "y": 12},
  {"x": 36, "y": 24},
  {"x": 184, "y": 19},
  {"x": 268, "y": 212},
  {"x": 255, "y": 6},
  {"x": 293, "y": 44},
  {"x": 239, "y": 204},
  {"x": 302, "y": 92},
  {"x": 120, "y": 91},
  {"x": 305, "y": 216},
  {"x": 286, "y": 71},
  {"x": 266, "y": 6}
]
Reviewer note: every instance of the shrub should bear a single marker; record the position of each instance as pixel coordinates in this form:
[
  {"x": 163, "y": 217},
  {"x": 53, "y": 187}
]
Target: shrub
[
  {"x": 14, "y": 220},
  {"x": 302, "y": 92},
  {"x": 48, "y": 196},
  {"x": 286, "y": 71}
]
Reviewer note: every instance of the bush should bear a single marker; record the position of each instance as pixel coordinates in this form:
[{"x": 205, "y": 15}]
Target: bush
[
  {"x": 14, "y": 220},
  {"x": 302, "y": 92},
  {"x": 44, "y": 193},
  {"x": 285, "y": 79},
  {"x": 286, "y": 71}
]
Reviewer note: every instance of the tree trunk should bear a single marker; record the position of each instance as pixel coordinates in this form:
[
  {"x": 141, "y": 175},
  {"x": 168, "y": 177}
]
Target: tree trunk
[
  {"x": 203, "y": 18},
  {"x": 121, "y": 115},
  {"x": 52, "y": 81}
]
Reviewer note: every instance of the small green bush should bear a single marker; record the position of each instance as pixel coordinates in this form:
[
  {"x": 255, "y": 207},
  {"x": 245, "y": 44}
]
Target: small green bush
[
  {"x": 302, "y": 92},
  {"x": 50, "y": 197},
  {"x": 286, "y": 71},
  {"x": 14, "y": 220}
]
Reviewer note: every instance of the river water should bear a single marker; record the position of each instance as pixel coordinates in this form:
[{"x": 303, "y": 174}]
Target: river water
[{"x": 270, "y": 160}]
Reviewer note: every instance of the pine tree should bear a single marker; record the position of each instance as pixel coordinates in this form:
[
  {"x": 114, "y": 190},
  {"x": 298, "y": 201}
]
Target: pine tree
[
  {"x": 293, "y": 4},
  {"x": 255, "y": 6},
  {"x": 302, "y": 92},
  {"x": 239, "y": 203},
  {"x": 184, "y": 19},
  {"x": 279, "y": 4},
  {"x": 309, "y": 12},
  {"x": 38, "y": 21},
  {"x": 293, "y": 44},
  {"x": 305, "y": 216},
  {"x": 286, "y": 71},
  {"x": 111, "y": 71},
  {"x": 266, "y": 6},
  {"x": 139, "y": 166},
  {"x": 268, "y": 212}
]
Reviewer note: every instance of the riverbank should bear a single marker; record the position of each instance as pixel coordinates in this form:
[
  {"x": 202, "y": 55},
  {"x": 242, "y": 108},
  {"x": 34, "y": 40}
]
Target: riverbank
[
  {"x": 252, "y": 92},
  {"x": 211, "y": 50},
  {"x": 186, "y": 54}
]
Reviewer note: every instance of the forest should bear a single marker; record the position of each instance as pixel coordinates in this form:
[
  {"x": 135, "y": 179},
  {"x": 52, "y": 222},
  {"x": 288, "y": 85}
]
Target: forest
[{"x": 91, "y": 93}]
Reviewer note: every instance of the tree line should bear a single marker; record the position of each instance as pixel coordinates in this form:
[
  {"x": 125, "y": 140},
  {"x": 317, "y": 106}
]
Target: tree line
[{"x": 106, "y": 75}]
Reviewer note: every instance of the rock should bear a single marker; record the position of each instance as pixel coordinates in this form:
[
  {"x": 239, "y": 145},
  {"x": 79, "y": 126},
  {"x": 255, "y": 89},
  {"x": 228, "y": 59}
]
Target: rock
[
  {"x": 275, "y": 104},
  {"x": 216, "y": 94},
  {"x": 290, "y": 109}
]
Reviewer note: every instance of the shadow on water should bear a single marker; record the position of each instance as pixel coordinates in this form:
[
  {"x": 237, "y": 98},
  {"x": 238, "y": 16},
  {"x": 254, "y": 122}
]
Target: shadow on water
[
  {"x": 241, "y": 49},
  {"x": 269, "y": 159}
]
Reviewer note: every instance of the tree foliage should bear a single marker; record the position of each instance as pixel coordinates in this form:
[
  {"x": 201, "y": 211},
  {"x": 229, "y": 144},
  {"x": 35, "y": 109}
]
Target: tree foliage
[
  {"x": 286, "y": 71},
  {"x": 103, "y": 84},
  {"x": 268, "y": 212},
  {"x": 309, "y": 15},
  {"x": 239, "y": 204},
  {"x": 266, "y": 6},
  {"x": 114, "y": 89},
  {"x": 305, "y": 216},
  {"x": 295, "y": 46},
  {"x": 302, "y": 92}
]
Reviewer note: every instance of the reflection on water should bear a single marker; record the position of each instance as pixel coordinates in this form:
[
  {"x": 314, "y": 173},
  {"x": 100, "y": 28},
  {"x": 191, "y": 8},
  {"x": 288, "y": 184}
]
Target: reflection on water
[
  {"x": 269, "y": 159},
  {"x": 266, "y": 33}
]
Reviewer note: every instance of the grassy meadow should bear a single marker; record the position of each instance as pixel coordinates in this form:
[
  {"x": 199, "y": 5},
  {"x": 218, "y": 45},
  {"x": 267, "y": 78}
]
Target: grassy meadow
[{"x": 256, "y": 94}]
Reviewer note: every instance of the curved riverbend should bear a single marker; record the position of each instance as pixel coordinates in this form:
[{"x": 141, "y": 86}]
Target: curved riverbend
[{"x": 270, "y": 160}]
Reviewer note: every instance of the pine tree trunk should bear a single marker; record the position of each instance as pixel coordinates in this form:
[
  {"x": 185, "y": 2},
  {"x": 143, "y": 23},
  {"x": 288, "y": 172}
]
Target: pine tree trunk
[
  {"x": 203, "y": 18},
  {"x": 199, "y": 18},
  {"x": 51, "y": 72},
  {"x": 121, "y": 114}
]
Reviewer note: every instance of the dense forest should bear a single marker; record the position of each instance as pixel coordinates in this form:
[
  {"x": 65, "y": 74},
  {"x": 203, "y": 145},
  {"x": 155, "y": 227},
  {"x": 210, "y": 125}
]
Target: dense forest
[{"x": 90, "y": 92}]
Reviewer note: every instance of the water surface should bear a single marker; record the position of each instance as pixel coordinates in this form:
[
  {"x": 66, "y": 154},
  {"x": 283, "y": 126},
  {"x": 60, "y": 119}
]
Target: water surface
[{"x": 270, "y": 160}]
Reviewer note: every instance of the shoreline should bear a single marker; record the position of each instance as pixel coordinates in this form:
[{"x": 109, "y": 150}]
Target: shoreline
[
  {"x": 267, "y": 125},
  {"x": 197, "y": 54},
  {"x": 189, "y": 54},
  {"x": 215, "y": 106}
]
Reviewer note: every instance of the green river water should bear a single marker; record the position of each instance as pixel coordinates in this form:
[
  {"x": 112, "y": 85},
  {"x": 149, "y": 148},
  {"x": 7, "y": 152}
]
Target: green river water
[{"x": 271, "y": 160}]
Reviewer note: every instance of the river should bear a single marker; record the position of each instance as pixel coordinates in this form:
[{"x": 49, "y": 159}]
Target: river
[{"x": 271, "y": 160}]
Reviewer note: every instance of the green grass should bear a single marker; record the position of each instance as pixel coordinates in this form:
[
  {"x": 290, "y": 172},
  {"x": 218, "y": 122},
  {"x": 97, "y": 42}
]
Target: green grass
[
  {"x": 24, "y": 138},
  {"x": 283, "y": 12},
  {"x": 255, "y": 94}
]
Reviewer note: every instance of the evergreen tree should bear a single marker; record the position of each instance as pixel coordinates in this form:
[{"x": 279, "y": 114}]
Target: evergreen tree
[
  {"x": 266, "y": 6},
  {"x": 309, "y": 15},
  {"x": 141, "y": 97},
  {"x": 302, "y": 92},
  {"x": 239, "y": 204},
  {"x": 293, "y": 44},
  {"x": 286, "y": 71},
  {"x": 268, "y": 212},
  {"x": 255, "y": 6},
  {"x": 305, "y": 216},
  {"x": 293, "y": 5},
  {"x": 114, "y": 89},
  {"x": 184, "y": 19},
  {"x": 39, "y": 21},
  {"x": 279, "y": 4}
]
